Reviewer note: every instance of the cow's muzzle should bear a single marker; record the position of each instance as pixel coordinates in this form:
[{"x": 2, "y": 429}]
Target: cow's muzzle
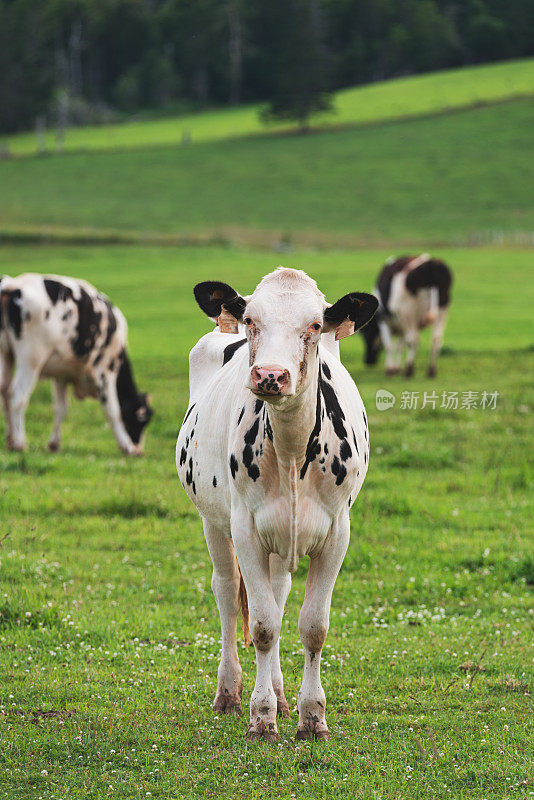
[{"x": 269, "y": 380}]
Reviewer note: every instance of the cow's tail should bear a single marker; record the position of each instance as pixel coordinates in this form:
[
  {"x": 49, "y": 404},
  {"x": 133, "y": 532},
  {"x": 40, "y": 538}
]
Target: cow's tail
[{"x": 243, "y": 602}]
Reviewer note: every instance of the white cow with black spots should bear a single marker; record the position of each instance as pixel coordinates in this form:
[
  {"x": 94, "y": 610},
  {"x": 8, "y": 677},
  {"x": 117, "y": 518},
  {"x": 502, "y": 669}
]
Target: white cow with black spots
[
  {"x": 413, "y": 292},
  {"x": 64, "y": 329},
  {"x": 273, "y": 451}
]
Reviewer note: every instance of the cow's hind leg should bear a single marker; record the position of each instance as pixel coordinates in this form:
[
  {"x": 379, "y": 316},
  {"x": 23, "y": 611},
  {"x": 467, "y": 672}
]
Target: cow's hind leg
[
  {"x": 281, "y": 583},
  {"x": 59, "y": 389},
  {"x": 437, "y": 339},
  {"x": 6, "y": 373},
  {"x": 225, "y": 584},
  {"x": 313, "y": 627},
  {"x": 411, "y": 339}
]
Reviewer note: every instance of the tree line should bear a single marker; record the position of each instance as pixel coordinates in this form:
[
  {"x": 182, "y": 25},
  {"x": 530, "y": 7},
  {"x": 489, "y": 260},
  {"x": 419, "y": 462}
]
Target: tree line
[{"x": 115, "y": 57}]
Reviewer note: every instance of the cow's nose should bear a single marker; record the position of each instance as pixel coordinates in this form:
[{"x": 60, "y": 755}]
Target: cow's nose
[{"x": 269, "y": 379}]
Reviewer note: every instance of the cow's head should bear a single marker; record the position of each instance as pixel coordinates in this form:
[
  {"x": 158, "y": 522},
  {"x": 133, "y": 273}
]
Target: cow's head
[
  {"x": 373, "y": 341},
  {"x": 283, "y": 319},
  {"x": 135, "y": 408}
]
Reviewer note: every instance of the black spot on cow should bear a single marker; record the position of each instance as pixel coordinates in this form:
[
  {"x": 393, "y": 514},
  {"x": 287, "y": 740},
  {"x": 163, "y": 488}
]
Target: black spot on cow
[
  {"x": 135, "y": 410},
  {"x": 326, "y": 370},
  {"x": 339, "y": 470},
  {"x": 14, "y": 313},
  {"x": 241, "y": 415},
  {"x": 268, "y": 429},
  {"x": 364, "y": 418},
  {"x": 67, "y": 315},
  {"x": 355, "y": 442},
  {"x": 47, "y": 314},
  {"x": 251, "y": 434},
  {"x": 183, "y": 456},
  {"x": 231, "y": 349},
  {"x": 57, "y": 290},
  {"x": 333, "y": 409},
  {"x": 313, "y": 448},
  {"x": 189, "y": 472},
  {"x": 345, "y": 451},
  {"x": 189, "y": 410},
  {"x": 326, "y": 448},
  {"x": 258, "y": 405},
  {"x": 214, "y": 482},
  {"x": 87, "y": 327},
  {"x": 234, "y": 466},
  {"x": 431, "y": 273},
  {"x": 112, "y": 324},
  {"x": 194, "y": 488}
]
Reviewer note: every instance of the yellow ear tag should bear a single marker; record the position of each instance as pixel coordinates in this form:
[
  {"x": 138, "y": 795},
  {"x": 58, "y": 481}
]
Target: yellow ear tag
[
  {"x": 345, "y": 329},
  {"x": 227, "y": 322}
]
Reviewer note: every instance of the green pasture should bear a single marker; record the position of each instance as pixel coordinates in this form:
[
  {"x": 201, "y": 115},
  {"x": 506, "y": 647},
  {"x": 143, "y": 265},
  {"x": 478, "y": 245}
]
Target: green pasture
[
  {"x": 402, "y": 98},
  {"x": 109, "y": 633},
  {"x": 430, "y": 181}
]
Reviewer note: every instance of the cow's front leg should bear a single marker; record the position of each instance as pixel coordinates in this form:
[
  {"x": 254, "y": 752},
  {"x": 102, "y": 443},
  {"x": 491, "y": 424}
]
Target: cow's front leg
[
  {"x": 265, "y": 620},
  {"x": 225, "y": 584},
  {"x": 313, "y": 627},
  {"x": 281, "y": 583},
  {"x": 60, "y": 410},
  {"x": 26, "y": 376}
]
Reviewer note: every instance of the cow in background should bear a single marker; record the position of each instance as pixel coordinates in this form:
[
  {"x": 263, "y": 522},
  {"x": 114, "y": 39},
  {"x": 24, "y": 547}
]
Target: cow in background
[
  {"x": 273, "y": 451},
  {"x": 64, "y": 329},
  {"x": 413, "y": 293}
]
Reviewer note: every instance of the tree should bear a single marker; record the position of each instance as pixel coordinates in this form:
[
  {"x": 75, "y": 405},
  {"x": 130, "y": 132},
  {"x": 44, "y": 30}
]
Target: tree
[{"x": 298, "y": 61}]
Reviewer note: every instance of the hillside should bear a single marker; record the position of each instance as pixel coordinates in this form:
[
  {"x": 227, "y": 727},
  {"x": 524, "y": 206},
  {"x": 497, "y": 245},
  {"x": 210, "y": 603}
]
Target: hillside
[
  {"x": 433, "y": 180},
  {"x": 388, "y": 100}
]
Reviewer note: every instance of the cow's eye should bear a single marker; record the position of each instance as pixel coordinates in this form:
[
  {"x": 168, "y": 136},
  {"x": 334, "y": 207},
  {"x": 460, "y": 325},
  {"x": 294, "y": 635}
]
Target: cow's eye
[
  {"x": 316, "y": 326},
  {"x": 247, "y": 321}
]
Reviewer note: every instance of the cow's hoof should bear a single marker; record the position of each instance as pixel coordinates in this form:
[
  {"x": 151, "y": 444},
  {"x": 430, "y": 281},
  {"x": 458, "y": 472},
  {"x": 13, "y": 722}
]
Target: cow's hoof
[
  {"x": 53, "y": 447},
  {"x": 257, "y": 731},
  {"x": 315, "y": 733},
  {"x": 409, "y": 370},
  {"x": 432, "y": 372},
  {"x": 392, "y": 371},
  {"x": 282, "y": 707},
  {"x": 16, "y": 448},
  {"x": 226, "y": 703}
]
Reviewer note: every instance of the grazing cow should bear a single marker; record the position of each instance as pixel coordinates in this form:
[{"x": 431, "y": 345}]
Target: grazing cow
[
  {"x": 62, "y": 328},
  {"x": 273, "y": 450},
  {"x": 413, "y": 292}
]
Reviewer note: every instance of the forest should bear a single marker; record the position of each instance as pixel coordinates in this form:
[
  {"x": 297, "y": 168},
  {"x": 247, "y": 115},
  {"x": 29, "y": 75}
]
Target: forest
[{"x": 98, "y": 61}]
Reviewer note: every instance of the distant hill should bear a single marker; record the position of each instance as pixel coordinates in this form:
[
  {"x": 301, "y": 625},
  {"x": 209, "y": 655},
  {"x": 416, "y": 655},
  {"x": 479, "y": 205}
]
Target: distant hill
[
  {"x": 373, "y": 103},
  {"x": 445, "y": 179}
]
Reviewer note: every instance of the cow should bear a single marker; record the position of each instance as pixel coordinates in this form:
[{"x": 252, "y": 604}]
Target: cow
[
  {"x": 273, "y": 451},
  {"x": 413, "y": 292},
  {"x": 64, "y": 329}
]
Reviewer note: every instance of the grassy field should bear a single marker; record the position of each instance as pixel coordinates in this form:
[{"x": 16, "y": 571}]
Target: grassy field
[
  {"x": 394, "y": 99},
  {"x": 108, "y": 630},
  {"x": 439, "y": 180}
]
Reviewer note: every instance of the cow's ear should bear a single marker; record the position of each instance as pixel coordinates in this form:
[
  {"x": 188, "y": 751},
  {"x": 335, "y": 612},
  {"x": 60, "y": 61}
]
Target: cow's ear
[
  {"x": 222, "y": 303},
  {"x": 350, "y": 313}
]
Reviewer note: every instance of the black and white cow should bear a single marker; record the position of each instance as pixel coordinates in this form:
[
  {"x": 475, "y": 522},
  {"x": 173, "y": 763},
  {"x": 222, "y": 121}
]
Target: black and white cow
[
  {"x": 273, "y": 451},
  {"x": 413, "y": 292},
  {"x": 64, "y": 329}
]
